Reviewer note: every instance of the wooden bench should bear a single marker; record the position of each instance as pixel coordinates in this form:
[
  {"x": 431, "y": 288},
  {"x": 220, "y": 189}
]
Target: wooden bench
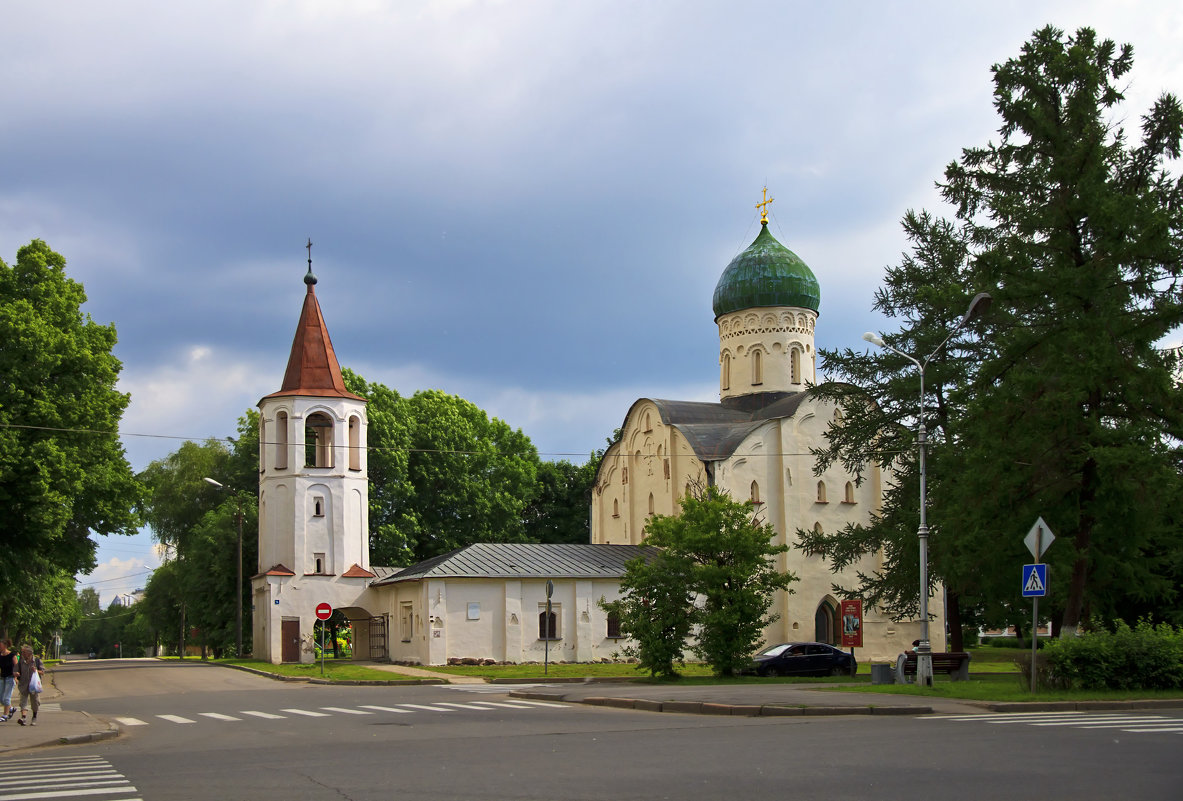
[{"x": 954, "y": 664}]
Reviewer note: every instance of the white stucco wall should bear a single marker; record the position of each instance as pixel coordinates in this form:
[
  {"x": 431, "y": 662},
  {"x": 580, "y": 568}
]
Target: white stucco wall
[
  {"x": 507, "y": 625},
  {"x": 777, "y": 458}
]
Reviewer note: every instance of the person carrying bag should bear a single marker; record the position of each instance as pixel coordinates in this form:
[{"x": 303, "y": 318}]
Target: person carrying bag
[{"x": 29, "y": 670}]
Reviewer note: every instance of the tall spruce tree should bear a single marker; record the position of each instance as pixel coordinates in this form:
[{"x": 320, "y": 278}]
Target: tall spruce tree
[{"x": 1060, "y": 404}]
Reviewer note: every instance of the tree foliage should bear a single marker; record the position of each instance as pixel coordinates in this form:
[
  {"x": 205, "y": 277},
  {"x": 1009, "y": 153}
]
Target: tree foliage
[
  {"x": 716, "y": 570},
  {"x": 198, "y": 525},
  {"x": 655, "y": 611},
  {"x": 560, "y": 511},
  {"x": 443, "y": 474},
  {"x": 63, "y": 475},
  {"x": 1059, "y": 403}
]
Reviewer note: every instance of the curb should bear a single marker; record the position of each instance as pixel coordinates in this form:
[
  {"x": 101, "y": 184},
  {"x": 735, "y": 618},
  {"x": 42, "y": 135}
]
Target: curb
[
  {"x": 93, "y": 737},
  {"x": 709, "y": 708},
  {"x": 310, "y": 680},
  {"x": 566, "y": 680}
]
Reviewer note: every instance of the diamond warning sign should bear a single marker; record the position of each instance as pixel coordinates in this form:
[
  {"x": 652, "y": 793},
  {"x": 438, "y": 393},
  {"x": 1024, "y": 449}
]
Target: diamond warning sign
[{"x": 1034, "y": 580}]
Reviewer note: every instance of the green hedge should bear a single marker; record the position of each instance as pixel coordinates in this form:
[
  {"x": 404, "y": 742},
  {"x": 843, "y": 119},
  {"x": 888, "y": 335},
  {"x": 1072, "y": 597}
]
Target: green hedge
[{"x": 1145, "y": 657}]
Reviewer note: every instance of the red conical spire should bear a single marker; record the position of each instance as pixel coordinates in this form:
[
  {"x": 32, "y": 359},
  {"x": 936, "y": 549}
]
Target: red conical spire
[{"x": 312, "y": 366}]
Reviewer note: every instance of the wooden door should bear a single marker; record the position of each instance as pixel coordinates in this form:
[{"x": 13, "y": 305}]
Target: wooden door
[{"x": 290, "y": 633}]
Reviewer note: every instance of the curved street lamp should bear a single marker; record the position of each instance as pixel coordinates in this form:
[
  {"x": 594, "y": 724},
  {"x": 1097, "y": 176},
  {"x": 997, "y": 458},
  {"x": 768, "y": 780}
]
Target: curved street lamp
[
  {"x": 237, "y": 589},
  {"x": 977, "y": 307}
]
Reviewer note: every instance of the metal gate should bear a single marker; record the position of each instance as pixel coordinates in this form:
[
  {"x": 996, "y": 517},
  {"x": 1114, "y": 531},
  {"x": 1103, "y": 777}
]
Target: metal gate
[{"x": 378, "y": 638}]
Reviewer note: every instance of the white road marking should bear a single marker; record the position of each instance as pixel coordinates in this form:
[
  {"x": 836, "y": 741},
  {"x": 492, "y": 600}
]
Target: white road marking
[
  {"x": 387, "y": 709},
  {"x": 131, "y": 721},
  {"x": 428, "y": 708},
  {"x": 346, "y": 711},
  {"x": 1142, "y": 724},
  {"x": 503, "y": 704},
  {"x": 265, "y": 715},
  {"x": 306, "y": 713},
  {"x": 26, "y": 779},
  {"x": 536, "y": 703},
  {"x": 217, "y": 716},
  {"x": 466, "y": 706}
]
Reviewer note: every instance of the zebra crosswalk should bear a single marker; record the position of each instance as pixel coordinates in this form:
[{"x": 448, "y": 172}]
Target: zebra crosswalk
[
  {"x": 64, "y": 777},
  {"x": 1120, "y": 721},
  {"x": 329, "y": 711}
]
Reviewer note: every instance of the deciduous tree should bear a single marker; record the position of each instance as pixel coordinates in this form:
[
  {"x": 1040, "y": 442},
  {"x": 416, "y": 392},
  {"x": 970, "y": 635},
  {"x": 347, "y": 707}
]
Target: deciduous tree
[{"x": 63, "y": 475}]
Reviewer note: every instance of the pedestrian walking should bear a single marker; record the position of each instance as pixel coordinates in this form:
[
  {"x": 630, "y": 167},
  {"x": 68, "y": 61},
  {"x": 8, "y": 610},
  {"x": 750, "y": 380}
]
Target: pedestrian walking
[
  {"x": 7, "y": 679},
  {"x": 28, "y": 679}
]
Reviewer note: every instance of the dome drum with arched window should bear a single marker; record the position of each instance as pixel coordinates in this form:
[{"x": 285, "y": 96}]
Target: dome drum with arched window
[{"x": 766, "y": 305}]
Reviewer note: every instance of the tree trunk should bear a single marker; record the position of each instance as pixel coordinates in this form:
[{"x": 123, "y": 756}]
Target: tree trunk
[
  {"x": 1076, "y": 585},
  {"x": 953, "y": 621}
]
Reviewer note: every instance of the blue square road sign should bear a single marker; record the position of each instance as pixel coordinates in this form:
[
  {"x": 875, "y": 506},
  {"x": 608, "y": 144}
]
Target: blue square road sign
[{"x": 1035, "y": 580}]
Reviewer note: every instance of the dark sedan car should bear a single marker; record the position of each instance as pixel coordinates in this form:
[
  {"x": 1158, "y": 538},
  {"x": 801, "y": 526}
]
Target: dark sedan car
[{"x": 803, "y": 659}]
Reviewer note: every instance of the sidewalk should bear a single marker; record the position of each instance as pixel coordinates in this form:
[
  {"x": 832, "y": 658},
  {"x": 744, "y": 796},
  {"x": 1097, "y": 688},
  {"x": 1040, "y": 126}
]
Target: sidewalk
[
  {"x": 796, "y": 699},
  {"x": 53, "y": 727}
]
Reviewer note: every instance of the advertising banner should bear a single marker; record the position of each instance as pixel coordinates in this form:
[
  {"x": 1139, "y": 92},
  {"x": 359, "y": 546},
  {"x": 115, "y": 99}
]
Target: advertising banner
[{"x": 852, "y": 623}]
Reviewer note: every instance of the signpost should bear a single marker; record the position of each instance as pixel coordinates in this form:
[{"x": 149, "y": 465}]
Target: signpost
[
  {"x": 550, "y": 589},
  {"x": 1034, "y": 583},
  {"x": 323, "y": 612}
]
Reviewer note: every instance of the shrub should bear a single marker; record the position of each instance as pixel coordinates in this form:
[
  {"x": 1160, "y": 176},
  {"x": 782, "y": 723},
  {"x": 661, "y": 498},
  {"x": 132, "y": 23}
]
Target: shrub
[{"x": 1145, "y": 657}]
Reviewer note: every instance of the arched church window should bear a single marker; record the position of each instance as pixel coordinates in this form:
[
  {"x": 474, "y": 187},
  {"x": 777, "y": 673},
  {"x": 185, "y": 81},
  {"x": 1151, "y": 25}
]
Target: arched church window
[
  {"x": 281, "y": 441},
  {"x": 355, "y": 443},
  {"x": 849, "y": 498},
  {"x": 318, "y": 440},
  {"x": 757, "y": 367},
  {"x": 615, "y": 507},
  {"x": 821, "y": 492},
  {"x": 755, "y": 493},
  {"x": 651, "y": 507},
  {"x": 725, "y": 380},
  {"x": 795, "y": 365}
]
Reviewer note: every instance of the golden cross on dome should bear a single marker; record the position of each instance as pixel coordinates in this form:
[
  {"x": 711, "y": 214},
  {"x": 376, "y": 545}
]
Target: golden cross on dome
[{"x": 763, "y": 207}]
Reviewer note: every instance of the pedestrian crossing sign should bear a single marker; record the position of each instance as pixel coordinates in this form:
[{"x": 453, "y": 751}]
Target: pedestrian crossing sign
[{"x": 1035, "y": 580}]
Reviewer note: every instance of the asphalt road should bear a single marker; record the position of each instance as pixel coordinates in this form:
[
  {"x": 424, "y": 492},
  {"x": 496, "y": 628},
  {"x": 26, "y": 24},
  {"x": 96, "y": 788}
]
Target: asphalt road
[{"x": 198, "y": 731}]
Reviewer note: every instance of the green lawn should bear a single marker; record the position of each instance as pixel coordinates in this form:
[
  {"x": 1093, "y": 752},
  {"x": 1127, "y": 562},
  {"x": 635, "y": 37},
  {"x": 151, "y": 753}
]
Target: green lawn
[{"x": 334, "y": 670}]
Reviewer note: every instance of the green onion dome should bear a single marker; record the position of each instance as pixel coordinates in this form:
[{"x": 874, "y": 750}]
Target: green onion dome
[{"x": 766, "y": 274}]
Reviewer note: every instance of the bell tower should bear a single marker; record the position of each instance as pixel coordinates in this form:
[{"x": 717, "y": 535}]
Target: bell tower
[{"x": 313, "y": 492}]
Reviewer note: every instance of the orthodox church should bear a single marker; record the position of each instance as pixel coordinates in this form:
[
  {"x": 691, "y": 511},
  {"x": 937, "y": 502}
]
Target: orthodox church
[
  {"x": 523, "y": 602},
  {"x": 755, "y": 444}
]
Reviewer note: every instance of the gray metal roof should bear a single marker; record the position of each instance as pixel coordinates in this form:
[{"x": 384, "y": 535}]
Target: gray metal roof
[
  {"x": 715, "y": 430},
  {"x": 524, "y": 560}
]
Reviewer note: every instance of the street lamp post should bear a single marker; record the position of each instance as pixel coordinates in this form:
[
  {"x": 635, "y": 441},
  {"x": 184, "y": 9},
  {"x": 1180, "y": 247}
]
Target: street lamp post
[
  {"x": 238, "y": 587},
  {"x": 977, "y": 306}
]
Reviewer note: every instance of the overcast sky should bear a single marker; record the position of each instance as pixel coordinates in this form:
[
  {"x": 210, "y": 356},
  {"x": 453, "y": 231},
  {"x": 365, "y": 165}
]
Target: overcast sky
[{"x": 503, "y": 196}]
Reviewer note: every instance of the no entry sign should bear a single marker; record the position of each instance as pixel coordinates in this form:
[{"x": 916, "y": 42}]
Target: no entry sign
[{"x": 323, "y": 611}]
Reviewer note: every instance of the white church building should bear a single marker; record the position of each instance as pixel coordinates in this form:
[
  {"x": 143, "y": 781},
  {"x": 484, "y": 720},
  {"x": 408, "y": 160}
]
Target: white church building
[{"x": 489, "y": 601}]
